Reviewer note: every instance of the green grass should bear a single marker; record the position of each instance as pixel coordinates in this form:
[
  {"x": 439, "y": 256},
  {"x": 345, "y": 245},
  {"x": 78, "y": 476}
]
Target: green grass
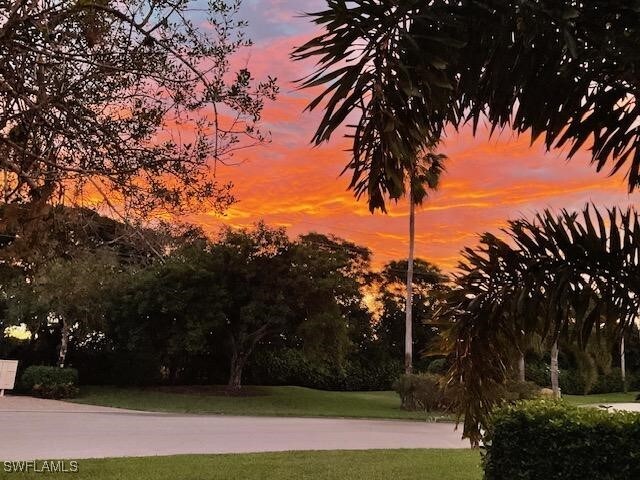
[
  {"x": 352, "y": 465},
  {"x": 266, "y": 401},
  {"x": 606, "y": 398}
]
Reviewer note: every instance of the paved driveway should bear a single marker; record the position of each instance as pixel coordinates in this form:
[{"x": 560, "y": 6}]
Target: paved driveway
[
  {"x": 45, "y": 429},
  {"x": 625, "y": 407}
]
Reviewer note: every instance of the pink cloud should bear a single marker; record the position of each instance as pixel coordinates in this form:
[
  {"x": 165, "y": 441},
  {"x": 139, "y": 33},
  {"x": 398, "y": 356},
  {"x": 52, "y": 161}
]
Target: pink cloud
[{"x": 488, "y": 180}]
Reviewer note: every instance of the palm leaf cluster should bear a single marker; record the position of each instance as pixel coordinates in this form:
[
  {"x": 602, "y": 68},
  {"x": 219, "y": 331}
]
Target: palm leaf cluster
[
  {"x": 565, "y": 274},
  {"x": 566, "y": 70}
]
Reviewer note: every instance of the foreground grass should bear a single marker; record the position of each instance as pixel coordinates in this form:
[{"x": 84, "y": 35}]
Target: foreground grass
[
  {"x": 264, "y": 401},
  {"x": 601, "y": 398},
  {"x": 352, "y": 465}
]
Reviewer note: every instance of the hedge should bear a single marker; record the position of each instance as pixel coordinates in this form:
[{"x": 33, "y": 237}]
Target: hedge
[
  {"x": 291, "y": 367},
  {"x": 551, "y": 440},
  {"x": 50, "y": 382}
]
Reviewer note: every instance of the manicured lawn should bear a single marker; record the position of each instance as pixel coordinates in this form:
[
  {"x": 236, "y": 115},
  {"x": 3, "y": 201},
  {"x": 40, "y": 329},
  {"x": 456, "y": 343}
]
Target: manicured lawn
[
  {"x": 601, "y": 398},
  {"x": 334, "y": 465},
  {"x": 269, "y": 401}
]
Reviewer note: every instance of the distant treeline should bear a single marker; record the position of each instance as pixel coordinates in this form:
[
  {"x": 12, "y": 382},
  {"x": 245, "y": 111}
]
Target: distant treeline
[{"x": 135, "y": 306}]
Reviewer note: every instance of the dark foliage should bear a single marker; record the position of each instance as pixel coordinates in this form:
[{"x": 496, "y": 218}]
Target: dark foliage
[
  {"x": 430, "y": 392},
  {"x": 429, "y": 285},
  {"x": 564, "y": 70},
  {"x": 425, "y": 391},
  {"x": 50, "y": 382},
  {"x": 291, "y": 367},
  {"x": 92, "y": 95},
  {"x": 560, "y": 276}
]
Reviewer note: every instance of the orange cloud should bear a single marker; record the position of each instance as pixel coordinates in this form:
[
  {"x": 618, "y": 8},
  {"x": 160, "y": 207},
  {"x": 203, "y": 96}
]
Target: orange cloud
[{"x": 488, "y": 180}]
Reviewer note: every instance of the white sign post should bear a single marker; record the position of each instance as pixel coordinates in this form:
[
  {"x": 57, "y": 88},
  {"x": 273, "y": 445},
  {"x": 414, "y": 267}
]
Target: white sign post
[{"x": 8, "y": 369}]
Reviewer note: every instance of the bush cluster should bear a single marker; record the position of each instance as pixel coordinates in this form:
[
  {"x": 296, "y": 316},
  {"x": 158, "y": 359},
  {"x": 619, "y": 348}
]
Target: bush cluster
[
  {"x": 551, "y": 440},
  {"x": 428, "y": 392},
  {"x": 538, "y": 373},
  {"x": 284, "y": 366},
  {"x": 438, "y": 366},
  {"x": 424, "y": 391},
  {"x": 50, "y": 382},
  {"x": 292, "y": 367},
  {"x": 514, "y": 390},
  {"x": 573, "y": 382}
]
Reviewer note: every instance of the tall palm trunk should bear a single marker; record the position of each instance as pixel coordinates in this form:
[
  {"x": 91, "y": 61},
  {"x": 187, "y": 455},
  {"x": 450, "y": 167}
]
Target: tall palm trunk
[
  {"x": 623, "y": 366},
  {"x": 408, "y": 334},
  {"x": 521, "y": 368},
  {"x": 64, "y": 344},
  {"x": 555, "y": 384}
]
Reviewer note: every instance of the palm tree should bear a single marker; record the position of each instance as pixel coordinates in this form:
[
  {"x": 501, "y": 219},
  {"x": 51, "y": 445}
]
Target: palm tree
[
  {"x": 555, "y": 382},
  {"x": 558, "y": 276},
  {"x": 407, "y": 69},
  {"x": 623, "y": 366},
  {"x": 424, "y": 176},
  {"x": 428, "y": 286}
]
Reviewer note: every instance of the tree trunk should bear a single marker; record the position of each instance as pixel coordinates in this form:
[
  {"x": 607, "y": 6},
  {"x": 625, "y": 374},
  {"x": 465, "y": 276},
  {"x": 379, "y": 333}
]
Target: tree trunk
[
  {"x": 408, "y": 334},
  {"x": 5, "y": 185},
  {"x": 521, "y": 368},
  {"x": 238, "y": 359},
  {"x": 623, "y": 366},
  {"x": 64, "y": 344},
  {"x": 555, "y": 385}
]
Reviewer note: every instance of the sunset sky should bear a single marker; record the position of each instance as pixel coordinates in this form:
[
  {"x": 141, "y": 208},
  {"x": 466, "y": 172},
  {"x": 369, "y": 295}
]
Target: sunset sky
[{"x": 293, "y": 184}]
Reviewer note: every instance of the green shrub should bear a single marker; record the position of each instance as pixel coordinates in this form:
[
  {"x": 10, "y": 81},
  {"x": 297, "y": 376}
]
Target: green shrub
[
  {"x": 428, "y": 392},
  {"x": 56, "y": 391},
  {"x": 424, "y": 392},
  {"x": 438, "y": 366},
  {"x": 574, "y": 382},
  {"x": 290, "y": 366},
  {"x": 514, "y": 390},
  {"x": 538, "y": 373},
  {"x": 551, "y": 440},
  {"x": 611, "y": 382},
  {"x": 409, "y": 387},
  {"x": 50, "y": 382}
]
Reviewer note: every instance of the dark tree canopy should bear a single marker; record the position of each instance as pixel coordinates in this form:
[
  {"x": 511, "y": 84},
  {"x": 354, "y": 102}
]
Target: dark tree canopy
[
  {"x": 246, "y": 289},
  {"x": 130, "y": 100},
  {"x": 567, "y": 274},
  {"x": 58, "y": 232},
  {"x": 427, "y": 275},
  {"x": 566, "y": 70},
  {"x": 328, "y": 274},
  {"x": 429, "y": 284}
]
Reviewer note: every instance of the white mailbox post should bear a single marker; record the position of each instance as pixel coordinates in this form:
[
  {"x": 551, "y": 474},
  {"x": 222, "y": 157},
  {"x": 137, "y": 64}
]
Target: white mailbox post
[{"x": 8, "y": 369}]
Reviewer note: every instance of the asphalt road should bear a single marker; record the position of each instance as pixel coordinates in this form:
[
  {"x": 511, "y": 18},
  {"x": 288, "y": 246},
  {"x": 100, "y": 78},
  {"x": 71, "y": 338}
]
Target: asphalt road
[{"x": 44, "y": 429}]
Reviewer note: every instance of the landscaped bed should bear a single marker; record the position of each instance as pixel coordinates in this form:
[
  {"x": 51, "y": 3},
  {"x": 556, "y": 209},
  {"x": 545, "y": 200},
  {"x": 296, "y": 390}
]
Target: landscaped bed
[
  {"x": 268, "y": 401},
  {"x": 282, "y": 401}
]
